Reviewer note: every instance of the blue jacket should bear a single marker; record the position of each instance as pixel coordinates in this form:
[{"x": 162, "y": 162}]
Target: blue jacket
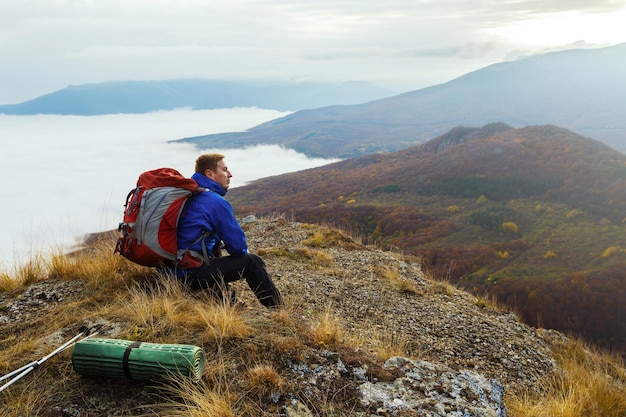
[{"x": 209, "y": 211}]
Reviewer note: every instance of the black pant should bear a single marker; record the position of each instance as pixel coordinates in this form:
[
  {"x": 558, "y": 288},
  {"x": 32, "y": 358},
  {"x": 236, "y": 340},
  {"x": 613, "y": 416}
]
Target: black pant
[{"x": 216, "y": 275}]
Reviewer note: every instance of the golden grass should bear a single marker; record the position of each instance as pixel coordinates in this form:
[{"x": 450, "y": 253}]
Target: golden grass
[
  {"x": 165, "y": 309},
  {"x": 328, "y": 237},
  {"x": 186, "y": 398},
  {"x": 38, "y": 390},
  {"x": 25, "y": 403},
  {"x": 591, "y": 384},
  {"x": 398, "y": 280},
  {"x": 24, "y": 274},
  {"x": 327, "y": 330},
  {"x": 221, "y": 321},
  {"x": 263, "y": 380},
  {"x": 387, "y": 346},
  {"x": 153, "y": 311},
  {"x": 97, "y": 265},
  {"x": 445, "y": 287},
  {"x": 284, "y": 316},
  {"x": 315, "y": 239},
  {"x": 8, "y": 283},
  {"x": 13, "y": 348},
  {"x": 492, "y": 301}
]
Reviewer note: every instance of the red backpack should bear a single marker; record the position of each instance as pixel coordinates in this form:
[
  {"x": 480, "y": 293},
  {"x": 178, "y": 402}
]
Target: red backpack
[{"x": 151, "y": 214}]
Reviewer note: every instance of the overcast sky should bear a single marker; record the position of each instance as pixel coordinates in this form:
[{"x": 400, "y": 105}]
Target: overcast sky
[{"x": 46, "y": 45}]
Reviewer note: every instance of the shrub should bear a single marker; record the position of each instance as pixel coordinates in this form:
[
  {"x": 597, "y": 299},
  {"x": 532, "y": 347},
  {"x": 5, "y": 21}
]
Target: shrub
[
  {"x": 549, "y": 255},
  {"x": 573, "y": 213},
  {"x": 492, "y": 218},
  {"x": 502, "y": 254},
  {"x": 612, "y": 250},
  {"x": 510, "y": 227}
]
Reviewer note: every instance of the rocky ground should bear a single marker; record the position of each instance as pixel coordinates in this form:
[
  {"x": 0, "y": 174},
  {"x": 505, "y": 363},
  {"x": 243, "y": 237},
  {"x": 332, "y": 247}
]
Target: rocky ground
[
  {"x": 465, "y": 355},
  {"x": 438, "y": 323}
]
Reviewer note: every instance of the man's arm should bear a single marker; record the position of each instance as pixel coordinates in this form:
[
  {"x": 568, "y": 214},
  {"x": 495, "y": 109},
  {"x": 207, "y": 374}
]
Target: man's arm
[{"x": 227, "y": 228}]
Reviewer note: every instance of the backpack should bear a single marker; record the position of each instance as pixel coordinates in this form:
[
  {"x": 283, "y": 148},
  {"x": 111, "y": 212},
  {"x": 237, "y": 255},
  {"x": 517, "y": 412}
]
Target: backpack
[{"x": 151, "y": 213}]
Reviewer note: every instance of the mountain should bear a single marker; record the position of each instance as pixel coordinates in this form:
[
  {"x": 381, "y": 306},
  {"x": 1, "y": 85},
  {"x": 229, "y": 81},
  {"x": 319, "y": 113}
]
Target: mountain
[
  {"x": 148, "y": 96},
  {"x": 534, "y": 216},
  {"x": 583, "y": 90}
]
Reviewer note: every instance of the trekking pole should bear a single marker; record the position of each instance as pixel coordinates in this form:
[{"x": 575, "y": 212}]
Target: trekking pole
[
  {"x": 26, "y": 369},
  {"x": 35, "y": 363}
]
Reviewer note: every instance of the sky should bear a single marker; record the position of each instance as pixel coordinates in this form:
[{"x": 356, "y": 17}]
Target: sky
[{"x": 46, "y": 45}]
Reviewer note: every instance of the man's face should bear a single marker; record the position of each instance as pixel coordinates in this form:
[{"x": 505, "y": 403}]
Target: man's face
[{"x": 221, "y": 175}]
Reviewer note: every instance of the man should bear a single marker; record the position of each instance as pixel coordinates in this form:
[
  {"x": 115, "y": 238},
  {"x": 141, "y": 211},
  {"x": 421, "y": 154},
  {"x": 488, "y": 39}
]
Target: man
[{"x": 208, "y": 219}]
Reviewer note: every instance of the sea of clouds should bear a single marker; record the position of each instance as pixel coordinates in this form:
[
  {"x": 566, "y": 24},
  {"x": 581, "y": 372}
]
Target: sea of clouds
[{"x": 63, "y": 177}]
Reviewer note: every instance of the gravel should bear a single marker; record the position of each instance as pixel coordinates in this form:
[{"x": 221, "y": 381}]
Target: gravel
[{"x": 434, "y": 321}]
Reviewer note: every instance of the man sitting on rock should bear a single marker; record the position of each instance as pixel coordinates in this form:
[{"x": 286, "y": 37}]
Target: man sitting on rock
[{"x": 207, "y": 220}]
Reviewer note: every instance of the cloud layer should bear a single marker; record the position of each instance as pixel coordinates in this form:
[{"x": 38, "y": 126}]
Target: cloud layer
[{"x": 65, "y": 176}]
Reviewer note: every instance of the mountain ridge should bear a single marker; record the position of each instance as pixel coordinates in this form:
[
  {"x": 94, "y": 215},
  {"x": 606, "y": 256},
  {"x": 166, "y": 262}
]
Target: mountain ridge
[
  {"x": 130, "y": 97},
  {"x": 581, "y": 90}
]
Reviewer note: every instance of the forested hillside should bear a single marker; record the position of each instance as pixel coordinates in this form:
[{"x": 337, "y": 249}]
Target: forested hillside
[{"x": 533, "y": 215}]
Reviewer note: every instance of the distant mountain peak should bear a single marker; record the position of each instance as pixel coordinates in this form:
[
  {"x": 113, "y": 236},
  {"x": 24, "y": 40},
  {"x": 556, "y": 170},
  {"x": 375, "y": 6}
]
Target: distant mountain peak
[
  {"x": 462, "y": 134},
  {"x": 134, "y": 97}
]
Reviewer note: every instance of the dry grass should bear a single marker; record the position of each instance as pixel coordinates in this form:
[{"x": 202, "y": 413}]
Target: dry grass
[
  {"x": 327, "y": 237},
  {"x": 391, "y": 345},
  {"x": 492, "y": 301},
  {"x": 263, "y": 381},
  {"x": 13, "y": 348},
  {"x": 8, "y": 283},
  {"x": 446, "y": 288},
  {"x": 25, "y": 403},
  {"x": 24, "y": 274},
  {"x": 220, "y": 322},
  {"x": 591, "y": 384},
  {"x": 154, "y": 311},
  {"x": 164, "y": 309},
  {"x": 97, "y": 265},
  {"x": 398, "y": 280},
  {"x": 198, "y": 400},
  {"x": 40, "y": 388},
  {"x": 328, "y": 330}
]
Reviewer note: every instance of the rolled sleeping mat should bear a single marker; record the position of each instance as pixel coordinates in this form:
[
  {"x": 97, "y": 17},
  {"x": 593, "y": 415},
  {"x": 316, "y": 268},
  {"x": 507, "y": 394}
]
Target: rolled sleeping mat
[{"x": 115, "y": 358}]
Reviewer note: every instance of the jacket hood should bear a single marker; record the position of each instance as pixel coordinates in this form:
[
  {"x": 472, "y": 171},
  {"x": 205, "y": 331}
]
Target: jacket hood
[{"x": 204, "y": 181}]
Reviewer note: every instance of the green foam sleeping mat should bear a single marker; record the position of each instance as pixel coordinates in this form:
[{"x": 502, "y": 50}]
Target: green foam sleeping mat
[{"x": 114, "y": 358}]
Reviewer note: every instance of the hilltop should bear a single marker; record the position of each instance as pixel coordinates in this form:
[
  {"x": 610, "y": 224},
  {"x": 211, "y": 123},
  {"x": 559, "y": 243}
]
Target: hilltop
[
  {"x": 533, "y": 215},
  {"x": 364, "y": 333},
  {"x": 582, "y": 90}
]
